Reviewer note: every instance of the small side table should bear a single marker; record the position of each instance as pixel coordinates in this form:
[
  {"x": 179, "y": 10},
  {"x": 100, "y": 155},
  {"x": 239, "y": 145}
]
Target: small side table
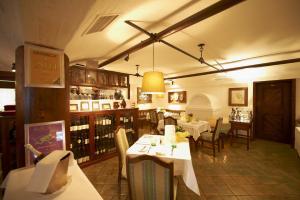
[{"x": 245, "y": 125}]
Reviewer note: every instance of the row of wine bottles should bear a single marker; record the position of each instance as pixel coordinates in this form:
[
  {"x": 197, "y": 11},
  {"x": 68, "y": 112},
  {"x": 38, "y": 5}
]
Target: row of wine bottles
[
  {"x": 104, "y": 134},
  {"x": 80, "y": 144}
]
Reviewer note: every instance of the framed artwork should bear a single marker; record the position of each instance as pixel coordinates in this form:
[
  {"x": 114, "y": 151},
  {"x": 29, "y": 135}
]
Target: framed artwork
[
  {"x": 73, "y": 107},
  {"x": 177, "y": 97},
  {"x": 143, "y": 98},
  {"x": 44, "y": 67},
  {"x": 45, "y": 137},
  {"x": 95, "y": 105},
  {"x": 84, "y": 106},
  {"x": 106, "y": 106},
  {"x": 238, "y": 97}
]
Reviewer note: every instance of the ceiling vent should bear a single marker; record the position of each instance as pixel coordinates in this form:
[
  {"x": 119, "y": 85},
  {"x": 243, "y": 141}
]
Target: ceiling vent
[{"x": 99, "y": 24}]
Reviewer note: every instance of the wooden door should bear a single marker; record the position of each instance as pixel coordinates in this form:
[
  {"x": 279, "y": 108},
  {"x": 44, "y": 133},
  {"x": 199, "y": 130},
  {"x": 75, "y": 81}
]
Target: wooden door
[{"x": 274, "y": 108}]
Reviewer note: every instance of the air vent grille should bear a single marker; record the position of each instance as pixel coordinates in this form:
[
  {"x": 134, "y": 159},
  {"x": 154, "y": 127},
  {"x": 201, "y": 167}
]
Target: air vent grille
[{"x": 100, "y": 23}]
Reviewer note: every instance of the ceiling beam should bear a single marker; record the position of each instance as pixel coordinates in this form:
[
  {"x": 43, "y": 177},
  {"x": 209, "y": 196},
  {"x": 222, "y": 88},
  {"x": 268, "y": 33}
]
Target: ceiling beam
[
  {"x": 191, "y": 20},
  {"x": 281, "y": 62},
  {"x": 167, "y": 43}
]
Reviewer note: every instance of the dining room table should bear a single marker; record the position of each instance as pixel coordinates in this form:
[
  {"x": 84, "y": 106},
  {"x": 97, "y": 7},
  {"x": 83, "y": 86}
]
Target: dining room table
[
  {"x": 78, "y": 186},
  {"x": 195, "y": 128},
  {"x": 174, "y": 151}
]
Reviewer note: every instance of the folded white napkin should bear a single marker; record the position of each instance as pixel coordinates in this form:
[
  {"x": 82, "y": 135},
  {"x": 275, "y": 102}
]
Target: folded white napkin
[
  {"x": 44, "y": 170},
  {"x": 170, "y": 133}
]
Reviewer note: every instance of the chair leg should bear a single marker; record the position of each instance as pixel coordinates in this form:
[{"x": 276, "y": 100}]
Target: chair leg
[
  {"x": 214, "y": 150},
  {"x": 219, "y": 145}
]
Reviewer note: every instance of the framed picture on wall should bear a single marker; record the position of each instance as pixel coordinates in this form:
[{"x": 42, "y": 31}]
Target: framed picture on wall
[
  {"x": 84, "y": 106},
  {"x": 177, "y": 97},
  {"x": 45, "y": 137},
  {"x": 238, "y": 96},
  {"x": 143, "y": 98},
  {"x": 106, "y": 106},
  {"x": 95, "y": 106},
  {"x": 73, "y": 107},
  {"x": 44, "y": 67}
]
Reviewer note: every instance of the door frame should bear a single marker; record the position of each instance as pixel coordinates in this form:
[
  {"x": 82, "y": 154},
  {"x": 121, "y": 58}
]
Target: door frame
[{"x": 292, "y": 103}]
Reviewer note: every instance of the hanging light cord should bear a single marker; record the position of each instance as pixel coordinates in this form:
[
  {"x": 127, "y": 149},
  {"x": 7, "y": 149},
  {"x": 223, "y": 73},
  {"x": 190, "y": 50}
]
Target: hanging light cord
[{"x": 153, "y": 56}]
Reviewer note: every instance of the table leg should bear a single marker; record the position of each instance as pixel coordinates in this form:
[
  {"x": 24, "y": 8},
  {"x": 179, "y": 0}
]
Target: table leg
[
  {"x": 231, "y": 136},
  {"x": 248, "y": 139}
]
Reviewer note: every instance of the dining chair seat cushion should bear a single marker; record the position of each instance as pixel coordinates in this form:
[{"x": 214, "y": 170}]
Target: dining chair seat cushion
[{"x": 207, "y": 136}]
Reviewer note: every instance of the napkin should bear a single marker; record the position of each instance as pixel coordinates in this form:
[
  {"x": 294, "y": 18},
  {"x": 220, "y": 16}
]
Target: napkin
[
  {"x": 50, "y": 173},
  {"x": 170, "y": 133}
]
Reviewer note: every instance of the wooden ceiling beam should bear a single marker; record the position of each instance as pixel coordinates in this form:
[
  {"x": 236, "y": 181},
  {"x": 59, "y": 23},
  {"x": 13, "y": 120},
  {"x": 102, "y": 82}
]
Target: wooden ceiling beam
[
  {"x": 281, "y": 62},
  {"x": 193, "y": 19}
]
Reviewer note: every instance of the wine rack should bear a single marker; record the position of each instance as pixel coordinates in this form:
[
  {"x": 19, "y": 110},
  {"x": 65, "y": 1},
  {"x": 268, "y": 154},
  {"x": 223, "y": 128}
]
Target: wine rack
[
  {"x": 80, "y": 145},
  {"x": 126, "y": 120},
  {"x": 91, "y": 137},
  {"x": 104, "y": 134}
]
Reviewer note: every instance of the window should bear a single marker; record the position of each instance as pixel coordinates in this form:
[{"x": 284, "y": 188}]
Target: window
[{"x": 7, "y": 97}]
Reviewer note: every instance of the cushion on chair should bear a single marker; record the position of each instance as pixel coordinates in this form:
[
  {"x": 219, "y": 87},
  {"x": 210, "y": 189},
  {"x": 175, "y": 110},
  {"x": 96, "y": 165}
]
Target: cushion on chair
[
  {"x": 207, "y": 136},
  {"x": 123, "y": 145},
  {"x": 149, "y": 180}
]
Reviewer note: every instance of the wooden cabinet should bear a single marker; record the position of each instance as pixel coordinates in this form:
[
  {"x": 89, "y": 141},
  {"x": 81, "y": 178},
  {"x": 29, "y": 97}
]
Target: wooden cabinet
[
  {"x": 94, "y": 140},
  {"x": 98, "y": 78},
  {"x": 8, "y": 143}
]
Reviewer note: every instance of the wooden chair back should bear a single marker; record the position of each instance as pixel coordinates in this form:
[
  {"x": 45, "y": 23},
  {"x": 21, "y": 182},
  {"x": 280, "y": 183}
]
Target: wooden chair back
[
  {"x": 150, "y": 178},
  {"x": 218, "y": 127},
  {"x": 170, "y": 121}
]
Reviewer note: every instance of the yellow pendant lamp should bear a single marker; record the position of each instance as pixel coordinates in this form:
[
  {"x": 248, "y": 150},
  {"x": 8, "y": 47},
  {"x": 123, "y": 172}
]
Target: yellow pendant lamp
[{"x": 153, "y": 81}]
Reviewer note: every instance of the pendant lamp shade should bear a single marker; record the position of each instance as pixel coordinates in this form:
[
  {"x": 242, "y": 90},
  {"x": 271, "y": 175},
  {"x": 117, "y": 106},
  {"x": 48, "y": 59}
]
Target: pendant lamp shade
[{"x": 153, "y": 83}]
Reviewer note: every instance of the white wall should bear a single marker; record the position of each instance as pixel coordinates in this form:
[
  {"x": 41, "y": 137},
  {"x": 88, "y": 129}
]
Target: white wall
[{"x": 215, "y": 88}]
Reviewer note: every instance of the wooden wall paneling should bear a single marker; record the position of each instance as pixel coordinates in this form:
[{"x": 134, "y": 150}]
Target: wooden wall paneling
[
  {"x": 7, "y": 145},
  {"x": 35, "y": 105},
  {"x": 7, "y": 84}
]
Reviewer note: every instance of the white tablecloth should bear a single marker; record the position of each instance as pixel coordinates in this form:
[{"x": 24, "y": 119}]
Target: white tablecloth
[
  {"x": 180, "y": 156},
  {"x": 77, "y": 188},
  {"x": 194, "y": 128}
]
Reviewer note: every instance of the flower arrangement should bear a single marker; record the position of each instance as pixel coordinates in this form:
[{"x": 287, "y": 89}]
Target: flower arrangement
[{"x": 181, "y": 134}]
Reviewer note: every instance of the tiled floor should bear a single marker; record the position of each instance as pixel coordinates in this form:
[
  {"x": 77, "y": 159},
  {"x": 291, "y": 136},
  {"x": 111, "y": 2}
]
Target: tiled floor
[{"x": 268, "y": 170}]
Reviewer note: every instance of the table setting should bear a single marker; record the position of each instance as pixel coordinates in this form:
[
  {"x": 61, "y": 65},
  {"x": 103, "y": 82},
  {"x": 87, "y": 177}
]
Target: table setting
[{"x": 169, "y": 148}]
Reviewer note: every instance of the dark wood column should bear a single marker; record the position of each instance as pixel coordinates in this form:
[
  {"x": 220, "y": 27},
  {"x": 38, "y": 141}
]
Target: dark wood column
[{"x": 35, "y": 105}]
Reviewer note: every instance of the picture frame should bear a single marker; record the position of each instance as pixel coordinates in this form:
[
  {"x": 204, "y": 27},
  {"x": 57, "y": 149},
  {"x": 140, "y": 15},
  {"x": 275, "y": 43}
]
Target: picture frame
[
  {"x": 45, "y": 137},
  {"x": 44, "y": 67},
  {"x": 73, "y": 107},
  {"x": 177, "y": 97},
  {"x": 143, "y": 98},
  {"x": 106, "y": 106},
  {"x": 95, "y": 106},
  {"x": 84, "y": 106},
  {"x": 238, "y": 96}
]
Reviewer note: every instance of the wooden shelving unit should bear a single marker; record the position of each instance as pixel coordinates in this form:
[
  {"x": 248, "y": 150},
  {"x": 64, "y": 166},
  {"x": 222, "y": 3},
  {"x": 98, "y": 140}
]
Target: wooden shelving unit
[{"x": 107, "y": 121}]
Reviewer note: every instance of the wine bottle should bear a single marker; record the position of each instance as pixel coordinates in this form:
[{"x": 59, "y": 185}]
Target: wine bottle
[{"x": 37, "y": 154}]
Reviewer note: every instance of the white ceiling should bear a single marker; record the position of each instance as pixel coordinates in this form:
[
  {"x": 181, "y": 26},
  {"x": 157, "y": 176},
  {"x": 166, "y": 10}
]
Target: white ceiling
[{"x": 262, "y": 30}]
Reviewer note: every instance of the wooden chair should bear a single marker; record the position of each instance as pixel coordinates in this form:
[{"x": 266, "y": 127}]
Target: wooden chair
[
  {"x": 154, "y": 121},
  {"x": 170, "y": 121},
  {"x": 121, "y": 146},
  {"x": 160, "y": 115},
  {"x": 151, "y": 178},
  {"x": 212, "y": 137}
]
